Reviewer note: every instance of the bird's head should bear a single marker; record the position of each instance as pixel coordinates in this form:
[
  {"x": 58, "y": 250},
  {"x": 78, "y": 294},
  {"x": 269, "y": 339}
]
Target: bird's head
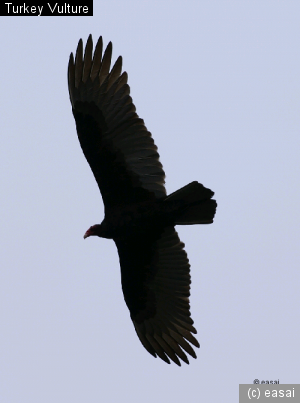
[
  {"x": 94, "y": 230},
  {"x": 100, "y": 230}
]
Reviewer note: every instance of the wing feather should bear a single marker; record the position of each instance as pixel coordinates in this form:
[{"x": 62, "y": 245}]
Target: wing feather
[
  {"x": 87, "y": 62},
  {"x": 105, "y": 65},
  {"x": 96, "y": 64},
  {"x": 156, "y": 286},
  {"x": 115, "y": 141},
  {"x": 115, "y": 73},
  {"x": 78, "y": 64}
]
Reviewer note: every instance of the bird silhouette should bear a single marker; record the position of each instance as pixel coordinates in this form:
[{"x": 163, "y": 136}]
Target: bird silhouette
[{"x": 139, "y": 216}]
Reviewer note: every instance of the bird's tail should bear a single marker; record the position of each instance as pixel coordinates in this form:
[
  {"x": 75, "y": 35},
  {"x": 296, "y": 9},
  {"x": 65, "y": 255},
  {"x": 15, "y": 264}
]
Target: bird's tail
[{"x": 194, "y": 204}]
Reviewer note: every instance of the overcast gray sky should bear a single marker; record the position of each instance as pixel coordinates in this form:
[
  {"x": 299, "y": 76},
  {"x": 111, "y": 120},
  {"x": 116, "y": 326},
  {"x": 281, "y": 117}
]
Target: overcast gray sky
[{"x": 218, "y": 85}]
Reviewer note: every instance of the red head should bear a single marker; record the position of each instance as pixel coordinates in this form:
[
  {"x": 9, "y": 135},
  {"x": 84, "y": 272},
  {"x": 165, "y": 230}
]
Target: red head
[
  {"x": 99, "y": 230},
  {"x": 93, "y": 230}
]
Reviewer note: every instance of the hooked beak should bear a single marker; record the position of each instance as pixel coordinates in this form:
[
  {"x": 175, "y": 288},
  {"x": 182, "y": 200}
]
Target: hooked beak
[{"x": 87, "y": 234}]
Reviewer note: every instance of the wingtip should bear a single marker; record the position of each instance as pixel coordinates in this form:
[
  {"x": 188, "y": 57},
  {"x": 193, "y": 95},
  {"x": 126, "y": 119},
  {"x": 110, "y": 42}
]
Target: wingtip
[
  {"x": 71, "y": 59},
  {"x": 80, "y": 43},
  {"x": 89, "y": 41}
]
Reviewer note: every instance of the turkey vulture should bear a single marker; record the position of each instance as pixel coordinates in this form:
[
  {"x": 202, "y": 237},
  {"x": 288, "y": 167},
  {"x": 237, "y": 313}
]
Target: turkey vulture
[{"x": 139, "y": 216}]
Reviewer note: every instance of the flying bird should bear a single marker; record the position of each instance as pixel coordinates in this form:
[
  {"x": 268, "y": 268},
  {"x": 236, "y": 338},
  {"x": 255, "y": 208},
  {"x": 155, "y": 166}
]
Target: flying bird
[{"x": 139, "y": 215}]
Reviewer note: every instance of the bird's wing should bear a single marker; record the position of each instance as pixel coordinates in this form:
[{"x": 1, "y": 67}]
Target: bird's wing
[
  {"x": 115, "y": 141},
  {"x": 156, "y": 286}
]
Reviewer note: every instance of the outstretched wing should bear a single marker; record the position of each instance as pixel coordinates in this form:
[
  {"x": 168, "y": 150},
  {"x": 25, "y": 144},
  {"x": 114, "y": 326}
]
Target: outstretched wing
[
  {"x": 115, "y": 141},
  {"x": 156, "y": 286}
]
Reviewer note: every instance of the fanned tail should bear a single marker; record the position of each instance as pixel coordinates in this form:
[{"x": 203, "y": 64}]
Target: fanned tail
[{"x": 195, "y": 204}]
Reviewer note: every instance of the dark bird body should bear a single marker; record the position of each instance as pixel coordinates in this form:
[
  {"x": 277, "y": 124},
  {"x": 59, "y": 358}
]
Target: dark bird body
[{"x": 139, "y": 216}]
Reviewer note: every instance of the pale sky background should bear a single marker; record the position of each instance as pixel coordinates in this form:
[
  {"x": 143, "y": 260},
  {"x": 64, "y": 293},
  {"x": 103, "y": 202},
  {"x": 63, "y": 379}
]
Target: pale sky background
[{"x": 218, "y": 85}]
